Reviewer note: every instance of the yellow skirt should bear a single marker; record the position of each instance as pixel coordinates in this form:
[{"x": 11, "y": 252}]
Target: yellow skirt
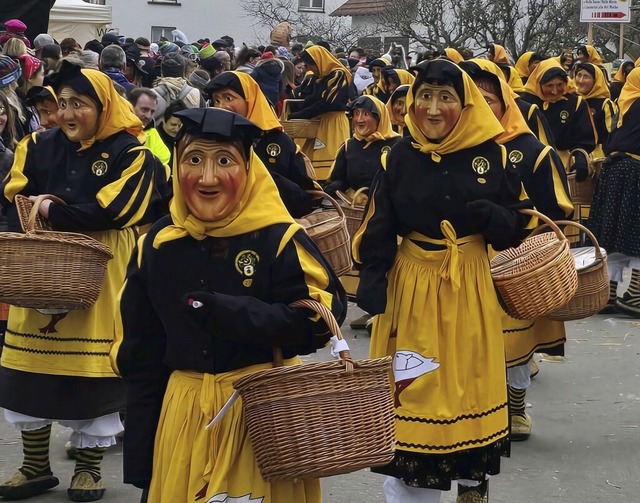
[
  {"x": 450, "y": 383},
  {"x": 333, "y": 131},
  {"x": 194, "y": 465},
  {"x": 522, "y": 338},
  {"x": 75, "y": 343}
]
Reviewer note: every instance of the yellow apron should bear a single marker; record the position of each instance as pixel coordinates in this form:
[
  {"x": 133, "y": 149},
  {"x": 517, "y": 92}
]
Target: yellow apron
[
  {"x": 333, "y": 131},
  {"x": 194, "y": 465},
  {"x": 442, "y": 325}
]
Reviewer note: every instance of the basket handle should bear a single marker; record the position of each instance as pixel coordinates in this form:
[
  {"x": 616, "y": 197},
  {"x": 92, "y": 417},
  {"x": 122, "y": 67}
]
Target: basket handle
[
  {"x": 547, "y": 221},
  {"x": 586, "y": 230},
  {"x": 590, "y": 165},
  {"x": 319, "y": 193},
  {"x": 352, "y": 203},
  {"x": 331, "y": 322},
  {"x": 31, "y": 223}
]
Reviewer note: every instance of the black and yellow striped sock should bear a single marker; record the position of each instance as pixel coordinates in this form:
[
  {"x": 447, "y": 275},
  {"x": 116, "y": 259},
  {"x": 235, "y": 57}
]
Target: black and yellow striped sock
[
  {"x": 89, "y": 460},
  {"x": 516, "y": 401},
  {"x": 35, "y": 446}
]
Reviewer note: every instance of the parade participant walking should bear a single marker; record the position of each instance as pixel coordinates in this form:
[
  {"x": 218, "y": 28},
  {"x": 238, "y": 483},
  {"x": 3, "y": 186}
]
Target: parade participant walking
[
  {"x": 393, "y": 77},
  {"x": 620, "y": 78},
  {"x": 397, "y": 108},
  {"x": 239, "y": 93},
  {"x": 328, "y": 102},
  {"x": 180, "y": 350},
  {"x": 526, "y": 64},
  {"x": 56, "y": 367},
  {"x": 614, "y": 215},
  {"x": 447, "y": 192},
  {"x": 545, "y": 181},
  {"x": 376, "y": 88}
]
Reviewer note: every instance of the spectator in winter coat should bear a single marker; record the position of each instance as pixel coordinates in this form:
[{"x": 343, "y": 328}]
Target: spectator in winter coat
[
  {"x": 113, "y": 62},
  {"x": 268, "y": 75}
]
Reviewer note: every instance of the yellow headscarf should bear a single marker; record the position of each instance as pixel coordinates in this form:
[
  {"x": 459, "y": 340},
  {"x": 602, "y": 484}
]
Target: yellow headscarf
[
  {"x": 453, "y": 55},
  {"x": 600, "y": 88},
  {"x": 260, "y": 206},
  {"x": 522, "y": 65},
  {"x": 385, "y": 130},
  {"x": 326, "y": 62},
  {"x": 258, "y": 109},
  {"x": 500, "y": 54},
  {"x": 117, "y": 113},
  {"x": 619, "y": 76},
  {"x": 629, "y": 94},
  {"x": 406, "y": 78},
  {"x": 514, "y": 80},
  {"x": 637, "y": 63},
  {"x": 533, "y": 84},
  {"x": 389, "y": 104},
  {"x": 475, "y": 125},
  {"x": 593, "y": 55},
  {"x": 512, "y": 120}
]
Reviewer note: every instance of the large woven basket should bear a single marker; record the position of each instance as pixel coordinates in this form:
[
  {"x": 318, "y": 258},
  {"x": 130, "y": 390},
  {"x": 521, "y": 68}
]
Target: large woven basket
[
  {"x": 328, "y": 230},
  {"x": 49, "y": 269},
  {"x": 352, "y": 212},
  {"x": 320, "y": 419},
  {"x": 592, "y": 293},
  {"x": 538, "y": 277},
  {"x": 582, "y": 192}
]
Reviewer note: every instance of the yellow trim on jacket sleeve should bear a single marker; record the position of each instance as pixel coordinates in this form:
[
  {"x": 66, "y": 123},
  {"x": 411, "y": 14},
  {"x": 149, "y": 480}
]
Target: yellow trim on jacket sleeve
[
  {"x": 17, "y": 179},
  {"x": 315, "y": 275}
]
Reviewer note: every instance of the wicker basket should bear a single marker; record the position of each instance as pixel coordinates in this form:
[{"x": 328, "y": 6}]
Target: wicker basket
[
  {"x": 328, "y": 230},
  {"x": 320, "y": 419},
  {"x": 538, "y": 277},
  {"x": 593, "y": 284},
  {"x": 582, "y": 192},
  {"x": 353, "y": 213},
  {"x": 51, "y": 270}
]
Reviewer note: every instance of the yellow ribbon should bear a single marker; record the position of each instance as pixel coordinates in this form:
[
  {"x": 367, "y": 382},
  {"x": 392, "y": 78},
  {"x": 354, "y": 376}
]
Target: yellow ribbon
[{"x": 450, "y": 267}]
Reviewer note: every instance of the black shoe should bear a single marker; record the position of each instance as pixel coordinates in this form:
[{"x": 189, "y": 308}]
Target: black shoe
[
  {"x": 20, "y": 487},
  {"x": 361, "y": 322}
]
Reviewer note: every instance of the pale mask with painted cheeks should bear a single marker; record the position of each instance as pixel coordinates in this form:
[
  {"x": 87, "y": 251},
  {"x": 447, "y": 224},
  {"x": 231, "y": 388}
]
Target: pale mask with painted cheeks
[
  {"x": 554, "y": 89},
  {"x": 399, "y": 109},
  {"x": 230, "y": 100},
  {"x": 78, "y": 115},
  {"x": 212, "y": 177},
  {"x": 437, "y": 109},
  {"x": 364, "y": 122}
]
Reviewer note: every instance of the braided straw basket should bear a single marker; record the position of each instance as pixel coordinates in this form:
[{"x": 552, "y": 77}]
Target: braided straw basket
[
  {"x": 539, "y": 276},
  {"x": 592, "y": 293},
  {"x": 353, "y": 213},
  {"x": 46, "y": 269},
  {"x": 319, "y": 419},
  {"x": 582, "y": 192},
  {"x": 328, "y": 230}
]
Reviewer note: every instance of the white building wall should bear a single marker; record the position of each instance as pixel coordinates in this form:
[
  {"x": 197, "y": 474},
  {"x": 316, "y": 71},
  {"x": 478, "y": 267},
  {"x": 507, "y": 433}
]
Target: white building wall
[{"x": 195, "y": 18}]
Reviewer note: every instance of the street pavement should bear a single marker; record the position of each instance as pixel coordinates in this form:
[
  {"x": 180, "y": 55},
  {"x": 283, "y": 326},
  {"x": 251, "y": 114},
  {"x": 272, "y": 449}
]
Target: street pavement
[{"x": 585, "y": 446}]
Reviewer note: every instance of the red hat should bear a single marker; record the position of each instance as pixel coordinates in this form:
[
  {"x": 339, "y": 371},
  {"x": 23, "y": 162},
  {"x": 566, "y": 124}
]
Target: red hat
[
  {"x": 15, "y": 26},
  {"x": 267, "y": 55},
  {"x": 30, "y": 65}
]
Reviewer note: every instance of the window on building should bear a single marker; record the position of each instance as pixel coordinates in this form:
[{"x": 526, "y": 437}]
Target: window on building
[
  {"x": 311, "y": 5},
  {"x": 161, "y": 31}
]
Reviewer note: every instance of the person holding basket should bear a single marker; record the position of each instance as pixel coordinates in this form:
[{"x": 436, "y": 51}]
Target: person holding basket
[
  {"x": 237, "y": 260},
  {"x": 448, "y": 193},
  {"x": 55, "y": 363}
]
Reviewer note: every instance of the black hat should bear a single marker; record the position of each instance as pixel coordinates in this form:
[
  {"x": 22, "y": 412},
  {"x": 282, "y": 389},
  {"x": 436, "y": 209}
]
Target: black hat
[
  {"x": 70, "y": 74},
  {"x": 364, "y": 103},
  {"x": 110, "y": 38},
  {"x": 440, "y": 71},
  {"x": 228, "y": 39},
  {"x": 226, "y": 80},
  {"x": 220, "y": 43},
  {"x": 217, "y": 124},
  {"x": 38, "y": 94},
  {"x": 399, "y": 92}
]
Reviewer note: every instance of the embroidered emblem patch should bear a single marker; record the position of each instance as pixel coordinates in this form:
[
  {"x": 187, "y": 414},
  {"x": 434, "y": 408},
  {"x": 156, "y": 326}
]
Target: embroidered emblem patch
[
  {"x": 480, "y": 165},
  {"x": 515, "y": 156},
  {"x": 246, "y": 262},
  {"x": 385, "y": 150},
  {"x": 273, "y": 149},
  {"x": 564, "y": 115},
  {"x": 99, "y": 168}
]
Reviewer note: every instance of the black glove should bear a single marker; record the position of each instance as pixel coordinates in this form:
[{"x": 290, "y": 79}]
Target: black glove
[
  {"x": 581, "y": 167},
  {"x": 200, "y": 306},
  {"x": 479, "y": 213}
]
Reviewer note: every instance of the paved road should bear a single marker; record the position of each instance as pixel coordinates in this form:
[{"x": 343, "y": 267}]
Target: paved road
[{"x": 585, "y": 446}]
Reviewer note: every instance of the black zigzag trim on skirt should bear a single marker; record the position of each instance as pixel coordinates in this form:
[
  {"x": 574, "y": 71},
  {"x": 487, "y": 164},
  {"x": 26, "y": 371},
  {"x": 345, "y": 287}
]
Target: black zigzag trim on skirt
[
  {"x": 57, "y": 353},
  {"x": 59, "y": 339},
  {"x": 536, "y": 349},
  {"x": 451, "y": 421},
  {"x": 453, "y": 446},
  {"x": 515, "y": 330}
]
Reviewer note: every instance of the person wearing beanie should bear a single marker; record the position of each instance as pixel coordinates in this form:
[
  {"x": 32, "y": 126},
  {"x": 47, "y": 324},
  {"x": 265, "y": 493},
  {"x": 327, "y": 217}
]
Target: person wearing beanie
[
  {"x": 328, "y": 102},
  {"x": 110, "y": 38},
  {"x": 545, "y": 181},
  {"x": 110, "y": 183},
  {"x": 94, "y": 45},
  {"x": 268, "y": 75},
  {"x": 198, "y": 79},
  {"x": 212, "y": 65},
  {"x": 15, "y": 29},
  {"x": 10, "y": 73},
  {"x": 167, "y": 47},
  {"x": 206, "y": 51},
  {"x": 173, "y": 87},
  {"x": 32, "y": 76}
]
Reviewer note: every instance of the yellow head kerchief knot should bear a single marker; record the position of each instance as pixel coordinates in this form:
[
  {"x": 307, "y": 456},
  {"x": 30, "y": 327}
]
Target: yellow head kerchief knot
[
  {"x": 476, "y": 124},
  {"x": 260, "y": 206},
  {"x": 629, "y": 94},
  {"x": 117, "y": 113},
  {"x": 385, "y": 129}
]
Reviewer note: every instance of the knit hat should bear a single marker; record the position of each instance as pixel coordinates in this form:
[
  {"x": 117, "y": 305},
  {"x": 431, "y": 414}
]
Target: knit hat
[
  {"x": 154, "y": 48},
  {"x": 9, "y": 71},
  {"x": 281, "y": 34},
  {"x": 207, "y": 51},
  {"x": 30, "y": 64},
  {"x": 267, "y": 55},
  {"x": 168, "y": 48},
  {"x": 199, "y": 79},
  {"x": 220, "y": 43},
  {"x": 172, "y": 65},
  {"x": 110, "y": 38},
  {"x": 15, "y": 28},
  {"x": 189, "y": 52},
  {"x": 41, "y": 40}
]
